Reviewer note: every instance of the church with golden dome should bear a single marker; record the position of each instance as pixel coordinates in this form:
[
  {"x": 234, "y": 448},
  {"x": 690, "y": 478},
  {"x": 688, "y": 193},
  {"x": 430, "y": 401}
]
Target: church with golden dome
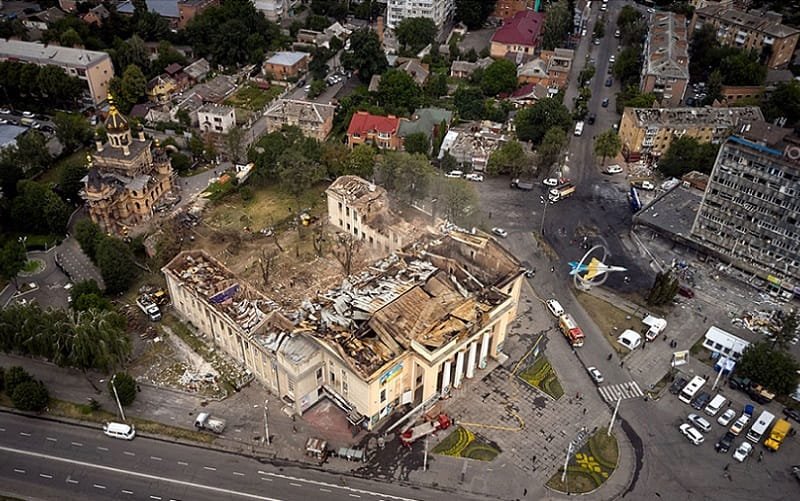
[{"x": 127, "y": 177}]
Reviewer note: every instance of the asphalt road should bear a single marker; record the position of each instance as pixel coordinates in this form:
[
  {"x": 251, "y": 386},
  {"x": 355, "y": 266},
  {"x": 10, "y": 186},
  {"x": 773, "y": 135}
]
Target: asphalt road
[{"x": 58, "y": 461}]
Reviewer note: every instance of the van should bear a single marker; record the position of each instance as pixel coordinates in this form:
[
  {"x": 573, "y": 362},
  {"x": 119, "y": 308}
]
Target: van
[
  {"x": 119, "y": 430},
  {"x": 715, "y": 405}
]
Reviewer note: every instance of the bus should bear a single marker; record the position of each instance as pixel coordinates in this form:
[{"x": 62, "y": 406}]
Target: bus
[
  {"x": 760, "y": 427},
  {"x": 691, "y": 389}
]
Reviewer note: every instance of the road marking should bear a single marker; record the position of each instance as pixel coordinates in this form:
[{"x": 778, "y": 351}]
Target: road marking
[
  {"x": 99, "y": 448},
  {"x": 24, "y": 434},
  {"x": 2, "y": 429},
  {"x": 620, "y": 391},
  {"x": 45, "y": 475},
  {"x": 333, "y": 486},
  {"x": 51, "y": 439},
  {"x": 155, "y": 458},
  {"x": 98, "y": 486},
  {"x": 155, "y": 497},
  {"x": 239, "y": 474},
  {"x": 183, "y": 463},
  {"x": 183, "y": 483},
  {"x": 17, "y": 470},
  {"x": 267, "y": 479},
  {"x": 295, "y": 485},
  {"x": 129, "y": 453},
  {"x": 77, "y": 444},
  {"x": 324, "y": 490},
  {"x": 209, "y": 468},
  {"x": 72, "y": 481},
  {"x": 354, "y": 496},
  {"x": 125, "y": 491}
]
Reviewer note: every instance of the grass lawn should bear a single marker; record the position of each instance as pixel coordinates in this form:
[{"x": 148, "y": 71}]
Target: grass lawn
[
  {"x": 590, "y": 466},
  {"x": 253, "y": 98},
  {"x": 542, "y": 375},
  {"x": 465, "y": 444},
  {"x": 53, "y": 174},
  {"x": 611, "y": 320}
]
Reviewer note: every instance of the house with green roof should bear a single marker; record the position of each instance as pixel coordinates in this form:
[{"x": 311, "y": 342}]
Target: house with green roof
[{"x": 427, "y": 121}]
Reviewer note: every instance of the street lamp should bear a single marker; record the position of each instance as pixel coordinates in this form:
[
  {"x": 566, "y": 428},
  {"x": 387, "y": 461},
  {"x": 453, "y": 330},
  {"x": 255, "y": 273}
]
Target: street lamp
[
  {"x": 116, "y": 396},
  {"x": 266, "y": 422},
  {"x": 545, "y": 200}
]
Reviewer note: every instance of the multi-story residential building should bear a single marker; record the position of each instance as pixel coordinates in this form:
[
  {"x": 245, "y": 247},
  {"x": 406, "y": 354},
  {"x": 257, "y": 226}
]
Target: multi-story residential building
[
  {"x": 159, "y": 89},
  {"x": 188, "y": 9},
  {"x": 286, "y": 65},
  {"x": 762, "y": 32},
  {"x": 374, "y": 129},
  {"x": 313, "y": 119},
  {"x": 518, "y": 37},
  {"x": 93, "y": 67},
  {"x": 126, "y": 178},
  {"x": 506, "y": 9},
  {"x": 649, "y": 131},
  {"x": 665, "y": 71},
  {"x": 559, "y": 64},
  {"x": 750, "y": 212},
  {"x": 439, "y": 11},
  {"x": 406, "y": 330},
  {"x": 216, "y": 118}
]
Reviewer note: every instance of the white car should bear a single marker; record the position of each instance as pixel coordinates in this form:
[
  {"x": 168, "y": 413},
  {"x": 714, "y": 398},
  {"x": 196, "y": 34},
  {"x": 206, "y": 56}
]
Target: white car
[
  {"x": 5, "y": 111},
  {"x": 740, "y": 423},
  {"x": 612, "y": 59},
  {"x": 307, "y": 88},
  {"x": 693, "y": 435},
  {"x": 550, "y": 181},
  {"x": 500, "y": 232},
  {"x": 700, "y": 422},
  {"x": 27, "y": 114},
  {"x": 726, "y": 418},
  {"x": 595, "y": 374},
  {"x": 454, "y": 174},
  {"x": 741, "y": 452},
  {"x": 478, "y": 178},
  {"x": 555, "y": 307},
  {"x": 583, "y": 32},
  {"x": 647, "y": 185},
  {"x": 616, "y": 34},
  {"x": 613, "y": 169}
]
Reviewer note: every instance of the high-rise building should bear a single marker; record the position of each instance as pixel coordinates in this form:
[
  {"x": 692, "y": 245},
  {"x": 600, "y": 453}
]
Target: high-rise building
[
  {"x": 750, "y": 210},
  {"x": 440, "y": 11}
]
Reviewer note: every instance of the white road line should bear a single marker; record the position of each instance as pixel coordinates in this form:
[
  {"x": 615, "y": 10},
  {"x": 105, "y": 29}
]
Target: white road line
[
  {"x": 45, "y": 475},
  {"x": 333, "y": 486},
  {"x": 99, "y": 448},
  {"x": 129, "y": 453},
  {"x": 2, "y": 429},
  {"x": 77, "y": 444},
  {"x": 125, "y": 491},
  {"x": 295, "y": 485},
  {"x": 17, "y": 470},
  {"x": 183, "y": 463},
  {"x": 155, "y": 458},
  {"x": 267, "y": 479},
  {"x": 354, "y": 496},
  {"x": 324, "y": 490},
  {"x": 155, "y": 497},
  {"x": 72, "y": 481},
  {"x": 209, "y": 468},
  {"x": 24, "y": 434},
  {"x": 98, "y": 486},
  {"x": 167, "y": 480},
  {"x": 52, "y": 439},
  {"x": 238, "y": 474}
]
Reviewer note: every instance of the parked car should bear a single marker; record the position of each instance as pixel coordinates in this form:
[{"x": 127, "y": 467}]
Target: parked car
[
  {"x": 613, "y": 169},
  {"x": 612, "y": 59},
  {"x": 616, "y": 34},
  {"x": 454, "y": 174},
  {"x": 685, "y": 292},
  {"x": 724, "y": 443},
  {"x": 726, "y": 417},
  {"x": 555, "y": 307},
  {"x": 678, "y": 385},
  {"x": 595, "y": 374},
  {"x": 792, "y": 413},
  {"x": 740, "y": 424},
  {"x": 592, "y": 118},
  {"x": 28, "y": 114},
  {"x": 699, "y": 422},
  {"x": 500, "y": 232},
  {"x": 701, "y": 400},
  {"x": 478, "y": 178},
  {"x": 693, "y": 435},
  {"x": 5, "y": 111},
  {"x": 609, "y": 82},
  {"x": 604, "y": 104},
  {"x": 743, "y": 451}
]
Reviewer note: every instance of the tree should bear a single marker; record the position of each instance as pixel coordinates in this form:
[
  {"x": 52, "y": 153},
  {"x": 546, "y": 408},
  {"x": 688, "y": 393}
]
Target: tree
[
  {"x": 116, "y": 263},
  {"x": 72, "y": 130},
  {"x": 784, "y": 102},
  {"x": 631, "y": 97},
  {"x": 398, "y": 93},
  {"x": 458, "y": 198},
  {"x": 88, "y": 236},
  {"x": 686, "y": 154},
  {"x": 599, "y": 28},
  {"x": 500, "y": 76},
  {"x": 125, "y": 386},
  {"x": 12, "y": 259},
  {"x": 87, "y": 295},
  {"x": 586, "y": 74},
  {"x": 98, "y": 340},
  {"x": 30, "y": 396},
  {"x": 38, "y": 209},
  {"x": 415, "y": 33},
  {"x": 317, "y": 88},
  {"x": 740, "y": 67},
  {"x": 70, "y": 181},
  {"x": 407, "y": 176},
  {"x": 474, "y": 13},
  {"x": 266, "y": 264},
  {"x": 533, "y": 122},
  {"x": 180, "y": 162},
  {"x": 557, "y": 25},
  {"x": 607, "y": 144},
  {"x": 509, "y": 158},
  {"x": 417, "y": 143},
  {"x": 553, "y": 144},
  {"x": 297, "y": 172},
  {"x": 632, "y": 27},
  {"x": 703, "y": 49},
  {"x": 234, "y": 142},
  {"x": 348, "y": 247},
  {"x": 665, "y": 286},
  {"x": 469, "y": 102},
  {"x": 773, "y": 368},
  {"x": 787, "y": 331},
  {"x": 365, "y": 56},
  {"x": 70, "y": 38},
  {"x": 436, "y": 86},
  {"x": 132, "y": 87},
  {"x": 14, "y": 377},
  {"x": 628, "y": 66},
  {"x": 32, "y": 153}
]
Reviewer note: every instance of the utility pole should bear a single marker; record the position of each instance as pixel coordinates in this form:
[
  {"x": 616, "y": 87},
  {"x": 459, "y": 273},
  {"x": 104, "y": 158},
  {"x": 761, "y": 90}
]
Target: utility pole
[
  {"x": 613, "y": 417},
  {"x": 116, "y": 397},
  {"x": 266, "y": 422},
  {"x": 545, "y": 201},
  {"x": 566, "y": 461},
  {"x": 425, "y": 459}
]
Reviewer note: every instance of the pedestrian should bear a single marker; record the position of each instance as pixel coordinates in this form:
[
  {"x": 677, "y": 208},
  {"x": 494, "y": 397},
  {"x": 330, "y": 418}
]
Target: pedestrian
[
  {"x": 621, "y": 362},
  {"x": 727, "y": 466},
  {"x": 729, "y": 403},
  {"x": 584, "y": 411},
  {"x": 760, "y": 456},
  {"x": 552, "y": 269},
  {"x": 609, "y": 356},
  {"x": 294, "y": 429},
  {"x": 525, "y": 492}
]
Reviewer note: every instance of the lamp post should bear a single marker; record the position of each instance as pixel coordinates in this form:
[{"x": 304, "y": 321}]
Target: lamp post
[
  {"x": 266, "y": 422},
  {"x": 116, "y": 396},
  {"x": 545, "y": 200}
]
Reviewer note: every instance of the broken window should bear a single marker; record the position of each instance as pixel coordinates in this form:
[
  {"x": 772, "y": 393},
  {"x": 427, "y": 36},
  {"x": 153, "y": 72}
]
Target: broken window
[{"x": 383, "y": 395}]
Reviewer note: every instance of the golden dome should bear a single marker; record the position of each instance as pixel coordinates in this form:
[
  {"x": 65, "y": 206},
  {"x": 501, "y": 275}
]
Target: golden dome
[{"x": 115, "y": 121}]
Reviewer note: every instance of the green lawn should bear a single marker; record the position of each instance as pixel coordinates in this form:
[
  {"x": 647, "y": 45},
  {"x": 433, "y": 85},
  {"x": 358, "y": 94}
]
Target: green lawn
[
  {"x": 253, "y": 98},
  {"x": 590, "y": 467},
  {"x": 611, "y": 320}
]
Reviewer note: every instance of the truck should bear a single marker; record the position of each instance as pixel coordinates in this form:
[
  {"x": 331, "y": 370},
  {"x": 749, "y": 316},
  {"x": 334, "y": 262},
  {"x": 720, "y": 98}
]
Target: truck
[
  {"x": 414, "y": 433},
  {"x": 205, "y": 421},
  {"x": 569, "y": 327},
  {"x": 760, "y": 394},
  {"x": 779, "y": 432},
  {"x": 561, "y": 192},
  {"x": 149, "y": 307},
  {"x": 522, "y": 183}
]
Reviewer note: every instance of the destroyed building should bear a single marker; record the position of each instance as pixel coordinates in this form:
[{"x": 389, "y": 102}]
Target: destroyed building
[{"x": 406, "y": 329}]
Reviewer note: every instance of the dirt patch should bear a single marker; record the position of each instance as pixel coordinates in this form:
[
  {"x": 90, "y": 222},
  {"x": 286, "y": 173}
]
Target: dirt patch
[{"x": 611, "y": 320}]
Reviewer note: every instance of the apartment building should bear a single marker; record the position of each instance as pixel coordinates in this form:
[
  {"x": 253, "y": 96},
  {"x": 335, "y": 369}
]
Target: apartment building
[
  {"x": 506, "y": 9},
  {"x": 406, "y": 330},
  {"x": 93, "y": 67},
  {"x": 286, "y": 65},
  {"x": 762, "y": 32},
  {"x": 188, "y": 9},
  {"x": 650, "y": 131},
  {"x": 440, "y": 11},
  {"x": 216, "y": 118},
  {"x": 374, "y": 129},
  {"x": 518, "y": 37},
  {"x": 750, "y": 211},
  {"x": 313, "y": 119},
  {"x": 665, "y": 71}
]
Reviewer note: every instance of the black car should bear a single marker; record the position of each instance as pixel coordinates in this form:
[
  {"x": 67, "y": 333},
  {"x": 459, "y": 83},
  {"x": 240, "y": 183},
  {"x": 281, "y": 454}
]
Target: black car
[
  {"x": 609, "y": 82},
  {"x": 739, "y": 383},
  {"x": 792, "y": 413},
  {"x": 701, "y": 401},
  {"x": 677, "y": 385},
  {"x": 604, "y": 104},
  {"x": 724, "y": 443},
  {"x": 592, "y": 118}
]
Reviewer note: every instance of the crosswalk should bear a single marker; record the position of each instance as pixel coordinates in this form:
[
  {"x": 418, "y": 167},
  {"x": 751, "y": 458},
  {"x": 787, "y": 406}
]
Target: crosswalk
[{"x": 614, "y": 392}]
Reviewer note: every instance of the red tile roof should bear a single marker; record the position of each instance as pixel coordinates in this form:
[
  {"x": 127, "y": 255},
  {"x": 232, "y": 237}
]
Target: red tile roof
[
  {"x": 363, "y": 123},
  {"x": 523, "y": 29}
]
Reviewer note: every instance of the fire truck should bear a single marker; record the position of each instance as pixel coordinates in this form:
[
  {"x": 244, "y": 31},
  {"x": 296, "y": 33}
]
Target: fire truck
[
  {"x": 414, "y": 433},
  {"x": 571, "y": 330}
]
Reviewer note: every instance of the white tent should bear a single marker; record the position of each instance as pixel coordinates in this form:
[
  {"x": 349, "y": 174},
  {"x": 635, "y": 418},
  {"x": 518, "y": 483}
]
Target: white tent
[{"x": 630, "y": 339}]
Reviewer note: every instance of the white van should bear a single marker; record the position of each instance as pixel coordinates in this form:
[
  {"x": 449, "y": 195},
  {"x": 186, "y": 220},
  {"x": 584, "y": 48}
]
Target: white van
[
  {"x": 119, "y": 430},
  {"x": 715, "y": 405}
]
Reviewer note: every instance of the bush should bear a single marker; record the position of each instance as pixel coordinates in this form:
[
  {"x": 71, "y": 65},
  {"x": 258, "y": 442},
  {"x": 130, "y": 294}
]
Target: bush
[
  {"x": 246, "y": 193},
  {"x": 30, "y": 396},
  {"x": 126, "y": 388},
  {"x": 15, "y": 376}
]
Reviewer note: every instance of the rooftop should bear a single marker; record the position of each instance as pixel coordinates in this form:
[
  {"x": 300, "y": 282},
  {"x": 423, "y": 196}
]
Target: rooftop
[
  {"x": 364, "y": 123},
  {"x": 424, "y": 121},
  {"x": 769, "y": 22},
  {"x": 522, "y": 29},
  {"x": 216, "y": 89},
  {"x": 216, "y": 109},
  {"x": 303, "y": 111},
  {"x": 672, "y": 213},
  {"x": 693, "y": 117},
  {"x": 198, "y": 69},
  {"x": 164, "y": 8},
  {"x": 766, "y": 134},
  {"x": 667, "y": 48},
  {"x": 9, "y": 134},
  {"x": 35, "y": 52},
  {"x": 287, "y": 58}
]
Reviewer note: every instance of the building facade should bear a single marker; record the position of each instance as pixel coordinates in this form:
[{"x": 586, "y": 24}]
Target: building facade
[
  {"x": 216, "y": 118},
  {"x": 286, "y": 65},
  {"x": 188, "y": 9},
  {"x": 366, "y": 128},
  {"x": 665, "y": 71},
  {"x": 127, "y": 177},
  {"x": 506, "y": 9},
  {"x": 518, "y": 37},
  {"x": 439, "y": 11},
  {"x": 409, "y": 330},
  {"x": 750, "y": 211},
  {"x": 650, "y": 131},
  {"x": 92, "y": 67},
  {"x": 313, "y": 119},
  {"x": 762, "y": 32}
]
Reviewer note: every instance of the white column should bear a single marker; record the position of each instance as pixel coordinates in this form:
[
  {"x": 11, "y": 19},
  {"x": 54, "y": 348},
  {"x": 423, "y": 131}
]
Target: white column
[
  {"x": 459, "y": 369},
  {"x": 484, "y": 349},
  {"x": 473, "y": 350},
  {"x": 446, "y": 367}
]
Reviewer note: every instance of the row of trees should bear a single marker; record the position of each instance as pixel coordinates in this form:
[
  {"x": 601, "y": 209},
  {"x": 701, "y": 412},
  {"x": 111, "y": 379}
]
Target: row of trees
[
  {"x": 26, "y": 394},
  {"x": 112, "y": 256},
  {"x": 22, "y": 81},
  {"x": 771, "y": 366},
  {"x": 686, "y": 154}
]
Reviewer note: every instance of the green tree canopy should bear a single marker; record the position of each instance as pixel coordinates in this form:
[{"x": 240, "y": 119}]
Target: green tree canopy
[
  {"x": 532, "y": 123},
  {"x": 398, "y": 93},
  {"x": 361, "y": 161},
  {"x": 628, "y": 66},
  {"x": 457, "y": 200},
  {"x": 12, "y": 259},
  {"x": 30, "y": 396},
  {"x": 31, "y": 152},
  {"x": 87, "y": 295},
  {"x": 88, "y": 236},
  {"x": 500, "y": 76},
  {"x": 509, "y": 158},
  {"x": 553, "y": 144},
  {"x": 632, "y": 27},
  {"x": 297, "y": 172},
  {"x": 665, "y": 286},
  {"x": 38, "y": 209},
  {"x": 116, "y": 263},
  {"x": 784, "y": 102},
  {"x": 686, "y": 154},
  {"x": 70, "y": 180},
  {"x": 607, "y": 144},
  {"x": 775, "y": 369},
  {"x": 557, "y": 25},
  {"x": 469, "y": 102},
  {"x": 407, "y": 176},
  {"x": 417, "y": 143},
  {"x": 415, "y": 33},
  {"x": 474, "y": 13},
  {"x": 365, "y": 56},
  {"x": 72, "y": 130},
  {"x": 15, "y": 376},
  {"x": 630, "y": 96},
  {"x": 125, "y": 386}
]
